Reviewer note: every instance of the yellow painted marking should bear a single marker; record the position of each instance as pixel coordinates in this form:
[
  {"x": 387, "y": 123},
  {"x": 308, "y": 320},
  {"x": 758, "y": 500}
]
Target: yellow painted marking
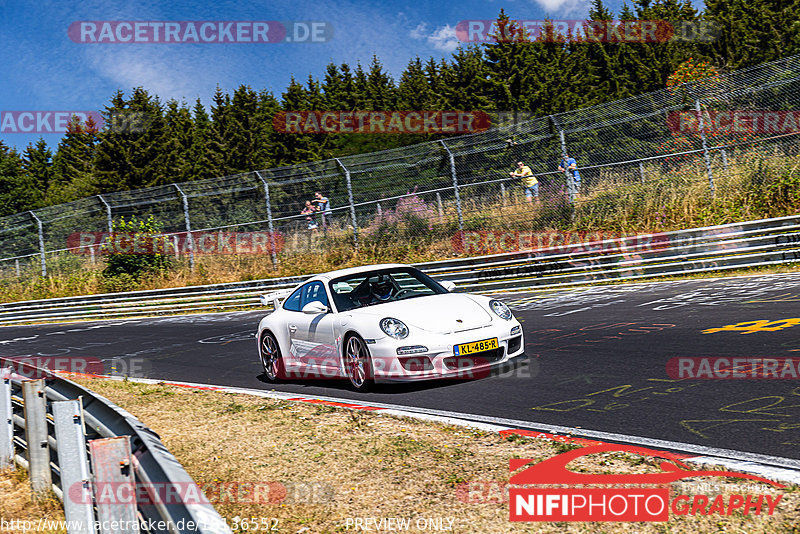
[{"x": 750, "y": 327}]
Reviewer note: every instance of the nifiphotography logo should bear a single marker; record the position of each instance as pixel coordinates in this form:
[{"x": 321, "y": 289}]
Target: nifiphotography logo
[{"x": 618, "y": 501}]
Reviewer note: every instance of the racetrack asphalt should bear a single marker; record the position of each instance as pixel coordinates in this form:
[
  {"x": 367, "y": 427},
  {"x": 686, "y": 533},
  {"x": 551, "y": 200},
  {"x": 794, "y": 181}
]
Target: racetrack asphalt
[{"x": 597, "y": 359}]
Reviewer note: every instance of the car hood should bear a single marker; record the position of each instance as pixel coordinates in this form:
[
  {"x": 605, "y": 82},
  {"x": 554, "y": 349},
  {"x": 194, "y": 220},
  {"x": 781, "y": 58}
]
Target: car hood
[{"x": 442, "y": 314}]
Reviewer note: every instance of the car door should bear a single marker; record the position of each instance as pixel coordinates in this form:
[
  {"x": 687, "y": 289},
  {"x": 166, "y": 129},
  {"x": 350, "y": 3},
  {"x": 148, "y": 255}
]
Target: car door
[
  {"x": 293, "y": 305},
  {"x": 315, "y": 335}
]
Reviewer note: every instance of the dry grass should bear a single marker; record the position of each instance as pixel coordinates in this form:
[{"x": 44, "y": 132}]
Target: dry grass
[
  {"x": 363, "y": 464},
  {"x": 18, "y": 503}
]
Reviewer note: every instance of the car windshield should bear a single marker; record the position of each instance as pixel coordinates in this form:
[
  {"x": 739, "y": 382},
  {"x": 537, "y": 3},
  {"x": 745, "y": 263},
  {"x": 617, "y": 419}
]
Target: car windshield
[{"x": 378, "y": 287}]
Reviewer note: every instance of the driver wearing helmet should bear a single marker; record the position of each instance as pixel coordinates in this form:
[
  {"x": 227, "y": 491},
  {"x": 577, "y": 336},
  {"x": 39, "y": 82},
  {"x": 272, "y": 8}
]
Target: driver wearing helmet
[{"x": 382, "y": 288}]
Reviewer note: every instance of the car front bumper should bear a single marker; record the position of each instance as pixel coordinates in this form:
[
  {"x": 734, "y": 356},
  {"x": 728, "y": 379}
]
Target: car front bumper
[{"x": 439, "y": 360}]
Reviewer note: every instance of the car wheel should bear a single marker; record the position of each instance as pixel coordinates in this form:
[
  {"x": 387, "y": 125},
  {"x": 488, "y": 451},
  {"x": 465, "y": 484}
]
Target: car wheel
[
  {"x": 358, "y": 364},
  {"x": 271, "y": 359}
]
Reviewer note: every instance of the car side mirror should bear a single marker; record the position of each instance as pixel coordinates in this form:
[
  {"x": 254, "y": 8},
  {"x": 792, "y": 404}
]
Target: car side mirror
[
  {"x": 448, "y": 285},
  {"x": 315, "y": 308}
]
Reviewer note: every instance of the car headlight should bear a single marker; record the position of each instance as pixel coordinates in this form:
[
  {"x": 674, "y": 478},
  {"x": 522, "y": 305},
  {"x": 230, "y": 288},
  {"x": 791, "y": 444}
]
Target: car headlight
[
  {"x": 500, "y": 309},
  {"x": 394, "y": 328}
]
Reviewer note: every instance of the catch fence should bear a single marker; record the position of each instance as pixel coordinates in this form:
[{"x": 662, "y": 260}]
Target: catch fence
[{"x": 716, "y": 138}]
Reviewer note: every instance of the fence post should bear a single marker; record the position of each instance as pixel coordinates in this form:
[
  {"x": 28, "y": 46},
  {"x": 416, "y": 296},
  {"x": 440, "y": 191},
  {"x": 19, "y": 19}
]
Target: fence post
[
  {"x": 455, "y": 186},
  {"x": 270, "y": 227},
  {"x": 350, "y": 200},
  {"x": 439, "y": 204},
  {"x": 570, "y": 178},
  {"x": 16, "y": 267},
  {"x": 189, "y": 238},
  {"x": 725, "y": 159},
  {"x": 503, "y": 193},
  {"x": 6, "y": 422},
  {"x": 36, "y": 435},
  {"x": 112, "y": 465},
  {"x": 706, "y": 155},
  {"x": 41, "y": 242},
  {"x": 108, "y": 213},
  {"x": 380, "y": 212},
  {"x": 641, "y": 172},
  {"x": 74, "y": 465}
]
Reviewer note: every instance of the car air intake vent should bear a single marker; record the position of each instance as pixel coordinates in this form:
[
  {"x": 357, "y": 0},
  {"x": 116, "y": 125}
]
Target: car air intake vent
[{"x": 474, "y": 360}]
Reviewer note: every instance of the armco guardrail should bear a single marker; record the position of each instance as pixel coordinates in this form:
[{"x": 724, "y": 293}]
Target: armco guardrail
[
  {"x": 713, "y": 248},
  {"x": 46, "y": 425}
]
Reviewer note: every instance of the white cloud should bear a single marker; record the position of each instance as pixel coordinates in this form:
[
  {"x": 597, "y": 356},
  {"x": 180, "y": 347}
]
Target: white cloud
[
  {"x": 563, "y": 7},
  {"x": 442, "y": 38},
  {"x": 168, "y": 73}
]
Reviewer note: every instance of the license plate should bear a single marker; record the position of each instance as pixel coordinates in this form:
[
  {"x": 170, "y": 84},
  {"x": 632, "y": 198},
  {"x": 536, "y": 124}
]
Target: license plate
[{"x": 465, "y": 349}]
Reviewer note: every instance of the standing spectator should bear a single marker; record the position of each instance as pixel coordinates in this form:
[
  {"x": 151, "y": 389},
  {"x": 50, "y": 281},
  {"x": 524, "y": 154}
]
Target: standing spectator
[
  {"x": 529, "y": 181},
  {"x": 311, "y": 215},
  {"x": 569, "y": 167},
  {"x": 323, "y": 206}
]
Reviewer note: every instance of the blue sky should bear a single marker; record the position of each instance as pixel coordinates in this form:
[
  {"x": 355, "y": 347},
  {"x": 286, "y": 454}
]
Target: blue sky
[{"x": 44, "y": 70}]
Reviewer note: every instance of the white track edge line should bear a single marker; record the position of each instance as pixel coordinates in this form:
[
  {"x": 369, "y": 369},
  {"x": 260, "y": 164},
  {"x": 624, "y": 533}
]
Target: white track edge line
[{"x": 772, "y": 467}]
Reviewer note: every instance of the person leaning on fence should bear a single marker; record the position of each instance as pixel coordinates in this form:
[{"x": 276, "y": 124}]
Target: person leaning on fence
[
  {"x": 529, "y": 181},
  {"x": 311, "y": 215},
  {"x": 569, "y": 166},
  {"x": 323, "y": 206}
]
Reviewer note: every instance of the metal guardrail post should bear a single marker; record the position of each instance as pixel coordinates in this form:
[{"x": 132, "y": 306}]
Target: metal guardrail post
[
  {"x": 112, "y": 465},
  {"x": 350, "y": 199},
  {"x": 36, "y": 435},
  {"x": 6, "y": 422},
  {"x": 41, "y": 242},
  {"x": 455, "y": 186},
  {"x": 108, "y": 213},
  {"x": 706, "y": 154},
  {"x": 189, "y": 237},
  {"x": 270, "y": 227},
  {"x": 73, "y": 464}
]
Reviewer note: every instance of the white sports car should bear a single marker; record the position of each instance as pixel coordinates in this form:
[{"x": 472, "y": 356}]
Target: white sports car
[{"x": 383, "y": 323}]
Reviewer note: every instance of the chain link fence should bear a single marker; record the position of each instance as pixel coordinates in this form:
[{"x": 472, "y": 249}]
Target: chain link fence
[{"x": 712, "y": 139}]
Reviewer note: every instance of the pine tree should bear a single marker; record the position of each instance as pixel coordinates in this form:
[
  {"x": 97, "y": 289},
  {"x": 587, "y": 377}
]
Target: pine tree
[
  {"x": 179, "y": 140},
  {"x": 753, "y": 32},
  {"x": 37, "y": 161},
  {"x": 130, "y": 153},
  {"x": 201, "y": 158},
  {"x": 18, "y": 191},
  {"x": 73, "y": 163},
  {"x": 512, "y": 67}
]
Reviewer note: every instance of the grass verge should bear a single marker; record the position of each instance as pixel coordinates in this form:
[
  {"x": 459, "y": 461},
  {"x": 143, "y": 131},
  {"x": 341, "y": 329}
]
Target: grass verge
[
  {"x": 338, "y": 464},
  {"x": 21, "y": 512}
]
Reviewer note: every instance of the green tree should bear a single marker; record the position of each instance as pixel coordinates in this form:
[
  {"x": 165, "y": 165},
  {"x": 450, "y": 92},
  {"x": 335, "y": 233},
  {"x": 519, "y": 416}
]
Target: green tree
[
  {"x": 37, "y": 161},
  {"x": 130, "y": 153},
  {"x": 18, "y": 191},
  {"x": 73, "y": 163}
]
